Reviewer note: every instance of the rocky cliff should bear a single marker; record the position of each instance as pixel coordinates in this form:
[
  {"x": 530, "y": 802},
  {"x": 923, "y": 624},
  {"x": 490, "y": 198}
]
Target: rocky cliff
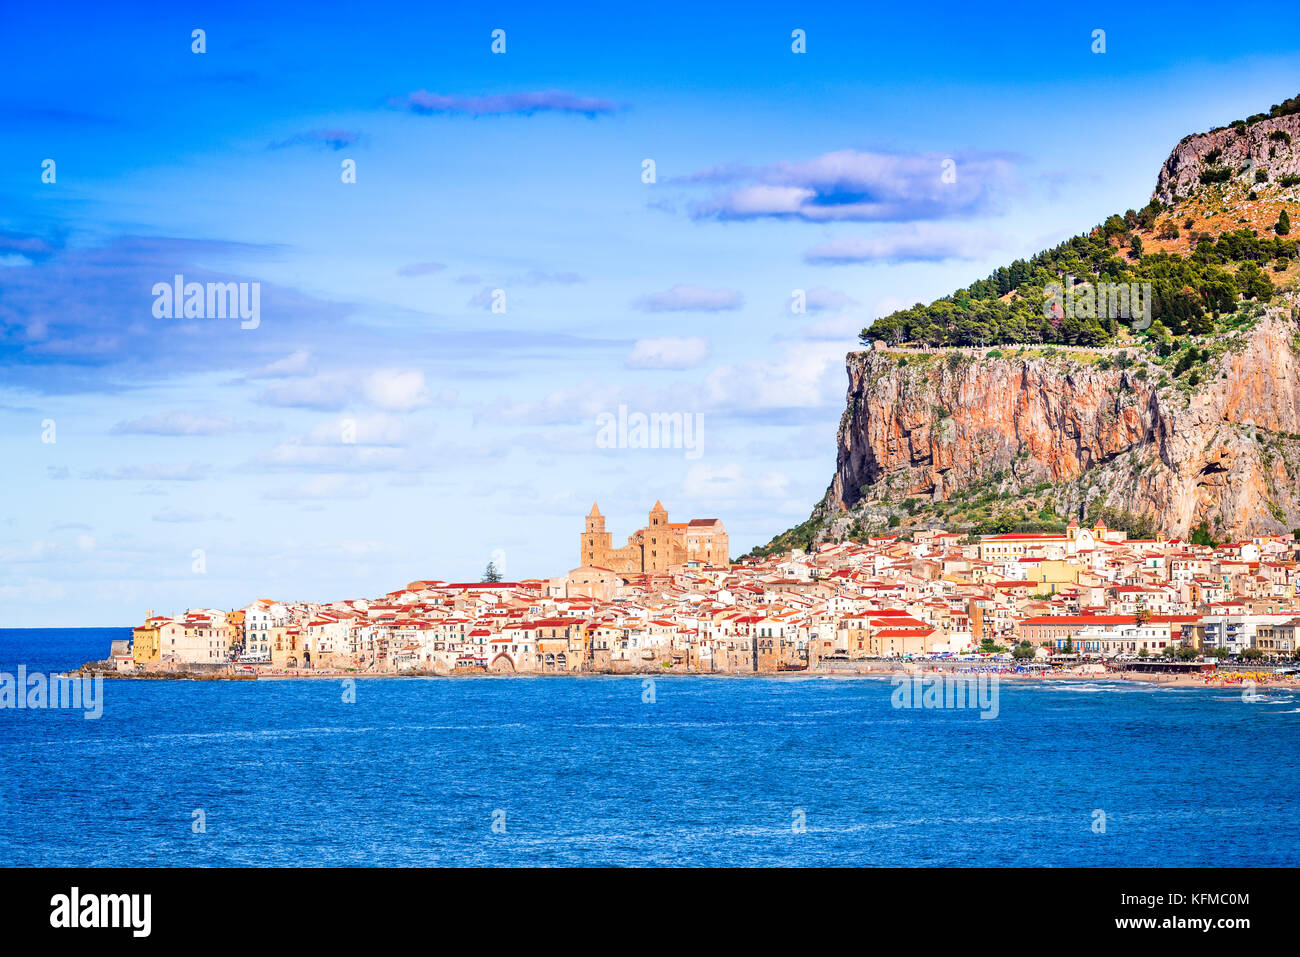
[
  {"x": 1270, "y": 147},
  {"x": 1076, "y": 431}
]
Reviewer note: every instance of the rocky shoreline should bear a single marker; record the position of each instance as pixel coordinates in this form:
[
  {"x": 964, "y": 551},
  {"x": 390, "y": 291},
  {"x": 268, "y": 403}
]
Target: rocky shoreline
[{"x": 881, "y": 670}]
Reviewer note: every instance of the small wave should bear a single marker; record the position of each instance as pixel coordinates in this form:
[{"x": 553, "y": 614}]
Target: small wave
[{"x": 1090, "y": 687}]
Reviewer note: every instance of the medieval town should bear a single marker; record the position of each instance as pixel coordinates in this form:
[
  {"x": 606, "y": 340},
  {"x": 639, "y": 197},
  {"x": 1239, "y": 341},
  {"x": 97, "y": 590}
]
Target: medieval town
[{"x": 671, "y": 600}]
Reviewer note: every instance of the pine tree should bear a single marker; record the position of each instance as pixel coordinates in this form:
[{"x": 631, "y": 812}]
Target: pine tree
[
  {"x": 490, "y": 574},
  {"x": 1283, "y": 223}
]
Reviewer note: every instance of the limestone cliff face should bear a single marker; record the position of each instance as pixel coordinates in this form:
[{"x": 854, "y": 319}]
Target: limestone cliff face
[
  {"x": 1227, "y": 454},
  {"x": 1259, "y": 146}
]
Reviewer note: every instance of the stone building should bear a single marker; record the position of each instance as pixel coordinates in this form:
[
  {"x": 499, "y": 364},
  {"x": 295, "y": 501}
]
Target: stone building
[
  {"x": 587, "y": 581},
  {"x": 656, "y": 547}
]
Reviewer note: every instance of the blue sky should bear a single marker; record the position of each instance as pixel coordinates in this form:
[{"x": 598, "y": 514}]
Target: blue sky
[{"x": 476, "y": 431}]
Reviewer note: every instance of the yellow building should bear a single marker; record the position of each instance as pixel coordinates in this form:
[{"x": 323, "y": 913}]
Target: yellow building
[
  {"x": 285, "y": 645},
  {"x": 1050, "y": 575},
  {"x": 656, "y": 547},
  {"x": 144, "y": 640}
]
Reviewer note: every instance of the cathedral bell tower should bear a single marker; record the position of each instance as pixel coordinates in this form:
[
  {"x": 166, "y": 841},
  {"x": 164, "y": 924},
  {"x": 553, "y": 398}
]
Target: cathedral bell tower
[
  {"x": 594, "y": 543},
  {"x": 656, "y": 547}
]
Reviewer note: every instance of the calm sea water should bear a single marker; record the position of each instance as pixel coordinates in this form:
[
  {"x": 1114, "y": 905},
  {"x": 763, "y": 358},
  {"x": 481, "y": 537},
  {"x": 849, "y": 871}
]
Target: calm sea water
[{"x": 582, "y": 771}]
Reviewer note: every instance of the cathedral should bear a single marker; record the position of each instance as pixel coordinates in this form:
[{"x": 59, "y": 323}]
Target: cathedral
[{"x": 656, "y": 547}]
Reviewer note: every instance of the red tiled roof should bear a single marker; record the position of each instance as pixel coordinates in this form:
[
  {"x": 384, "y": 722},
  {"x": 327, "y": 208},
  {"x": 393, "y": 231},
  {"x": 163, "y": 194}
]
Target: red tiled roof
[{"x": 1080, "y": 620}]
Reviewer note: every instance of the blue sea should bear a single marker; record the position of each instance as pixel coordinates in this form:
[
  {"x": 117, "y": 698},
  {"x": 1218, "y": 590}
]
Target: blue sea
[{"x": 585, "y": 771}]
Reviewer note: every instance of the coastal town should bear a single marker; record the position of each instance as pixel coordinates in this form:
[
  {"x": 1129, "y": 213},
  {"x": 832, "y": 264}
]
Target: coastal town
[{"x": 671, "y": 600}]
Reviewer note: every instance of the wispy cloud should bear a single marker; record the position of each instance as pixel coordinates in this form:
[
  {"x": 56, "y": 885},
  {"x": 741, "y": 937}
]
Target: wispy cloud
[
  {"x": 683, "y": 298},
  {"x": 293, "y": 456},
  {"x": 28, "y": 247},
  {"x": 298, "y": 362},
  {"x": 483, "y": 298},
  {"x": 732, "y": 482},
  {"x": 504, "y": 104},
  {"x": 327, "y": 139},
  {"x": 668, "y": 353},
  {"x": 84, "y": 315},
  {"x": 391, "y": 390},
  {"x": 919, "y": 242},
  {"x": 354, "y": 444},
  {"x": 161, "y": 472},
  {"x": 847, "y": 185},
  {"x": 486, "y": 297},
  {"x": 821, "y": 298},
  {"x": 806, "y": 376},
  {"x": 182, "y": 423},
  {"x": 321, "y": 487}
]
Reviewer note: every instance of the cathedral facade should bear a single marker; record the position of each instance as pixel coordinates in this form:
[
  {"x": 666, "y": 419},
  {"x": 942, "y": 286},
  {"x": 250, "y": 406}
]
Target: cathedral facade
[{"x": 657, "y": 546}]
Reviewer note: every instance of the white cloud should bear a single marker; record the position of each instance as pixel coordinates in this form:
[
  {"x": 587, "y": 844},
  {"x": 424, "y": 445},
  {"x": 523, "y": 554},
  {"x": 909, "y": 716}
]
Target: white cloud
[
  {"x": 392, "y": 390},
  {"x": 681, "y": 298},
  {"x": 570, "y": 404},
  {"x": 396, "y": 390},
  {"x": 296, "y": 363},
  {"x": 668, "y": 353},
  {"x": 809, "y": 375},
  {"x": 821, "y": 298},
  {"x": 849, "y": 185},
  {"x": 764, "y": 201}
]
